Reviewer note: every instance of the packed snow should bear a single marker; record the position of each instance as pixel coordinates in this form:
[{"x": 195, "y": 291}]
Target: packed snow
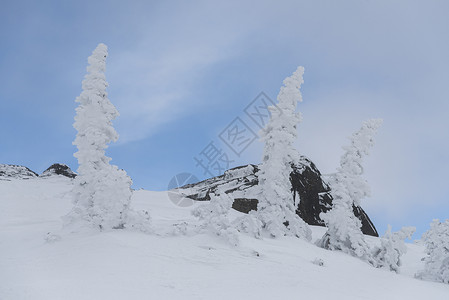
[{"x": 39, "y": 260}]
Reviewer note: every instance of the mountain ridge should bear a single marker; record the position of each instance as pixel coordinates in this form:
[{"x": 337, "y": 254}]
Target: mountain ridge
[
  {"x": 312, "y": 195},
  {"x": 11, "y": 171}
]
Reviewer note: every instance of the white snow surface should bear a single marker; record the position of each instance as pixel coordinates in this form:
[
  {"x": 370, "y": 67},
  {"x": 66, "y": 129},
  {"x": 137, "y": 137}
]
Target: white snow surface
[{"x": 40, "y": 261}]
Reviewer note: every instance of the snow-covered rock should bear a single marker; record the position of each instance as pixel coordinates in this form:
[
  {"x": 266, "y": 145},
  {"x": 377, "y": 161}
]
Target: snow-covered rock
[
  {"x": 58, "y": 169},
  {"x": 311, "y": 192},
  {"x": 15, "y": 172}
]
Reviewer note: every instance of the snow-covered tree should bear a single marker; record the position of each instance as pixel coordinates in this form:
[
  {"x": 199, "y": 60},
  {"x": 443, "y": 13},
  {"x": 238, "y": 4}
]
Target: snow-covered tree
[
  {"x": 101, "y": 192},
  {"x": 276, "y": 208},
  {"x": 214, "y": 217},
  {"x": 392, "y": 247},
  {"x": 348, "y": 187},
  {"x": 436, "y": 240}
]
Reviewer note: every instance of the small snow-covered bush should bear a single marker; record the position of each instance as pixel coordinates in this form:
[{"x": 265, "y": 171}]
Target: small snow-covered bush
[
  {"x": 392, "y": 247},
  {"x": 249, "y": 224},
  {"x": 214, "y": 217},
  {"x": 139, "y": 221},
  {"x": 318, "y": 262},
  {"x": 180, "y": 229},
  {"x": 436, "y": 240}
]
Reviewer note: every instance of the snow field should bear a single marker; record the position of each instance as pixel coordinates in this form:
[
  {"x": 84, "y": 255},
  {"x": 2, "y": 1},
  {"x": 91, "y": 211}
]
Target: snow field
[{"x": 122, "y": 264}]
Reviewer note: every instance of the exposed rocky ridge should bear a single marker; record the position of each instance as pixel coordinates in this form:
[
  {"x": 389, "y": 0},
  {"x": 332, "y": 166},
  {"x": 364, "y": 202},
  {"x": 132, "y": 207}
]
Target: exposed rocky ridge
[
  {"x": 310, "y": 192},
  {"x": 15, "y": 171},
  {"x": 58, "y": 169},
  {"x": 8, "y": 172}
]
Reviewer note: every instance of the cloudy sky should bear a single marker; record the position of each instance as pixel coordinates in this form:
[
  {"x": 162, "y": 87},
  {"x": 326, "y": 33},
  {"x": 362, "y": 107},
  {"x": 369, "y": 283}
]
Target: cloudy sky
[{"x": 180, "y": 72}]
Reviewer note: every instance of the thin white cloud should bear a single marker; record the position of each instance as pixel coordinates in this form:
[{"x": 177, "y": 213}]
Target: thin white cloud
[
  {"x": 172, "y": 56},
  {"x": 177, "y": 48}
]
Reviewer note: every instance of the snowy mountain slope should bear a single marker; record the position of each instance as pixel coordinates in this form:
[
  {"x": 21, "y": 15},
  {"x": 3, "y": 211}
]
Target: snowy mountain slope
[{"x": 165, "y": 265}]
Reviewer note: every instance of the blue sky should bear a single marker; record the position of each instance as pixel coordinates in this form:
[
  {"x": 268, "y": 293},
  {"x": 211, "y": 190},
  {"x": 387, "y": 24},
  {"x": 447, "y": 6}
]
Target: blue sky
[{"x": 180, "y": 72}]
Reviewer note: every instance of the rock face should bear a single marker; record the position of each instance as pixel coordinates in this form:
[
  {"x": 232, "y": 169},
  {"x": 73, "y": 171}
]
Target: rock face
[
  {"x": 311, "y": 194},
  {"x": 8, "y": 172},
  {"x": 58, "y": 169}
]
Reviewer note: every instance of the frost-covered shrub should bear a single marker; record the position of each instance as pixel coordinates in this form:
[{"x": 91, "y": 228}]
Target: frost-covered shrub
[
  {"x": 182, "y": 228},
  {"x": 318, "y": 262},
  {"x": 392, "y": 247},
  {"x": 139, "y": 221},
  {"x": 214, "y": 217},
  {"x": 276, "y": 207},
  {"x": 348, "y": 187},
  {"x": 101, "y": 192},
  {"x": 436, "y": 239},
  {"x": 249, "y": 223}
]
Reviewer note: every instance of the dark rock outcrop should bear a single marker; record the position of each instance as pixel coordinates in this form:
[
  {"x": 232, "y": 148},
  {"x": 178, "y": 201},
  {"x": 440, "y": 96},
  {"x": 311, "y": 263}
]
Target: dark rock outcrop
[
  {"x": 58, "y": 169},
  {"x": 8, "y": 172},
  {"x": 310, "y": 192}
]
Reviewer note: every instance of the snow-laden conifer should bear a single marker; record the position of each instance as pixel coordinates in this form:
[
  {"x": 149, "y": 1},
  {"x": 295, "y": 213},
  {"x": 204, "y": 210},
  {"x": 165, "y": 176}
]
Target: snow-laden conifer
[
  {"x": 436, "y": 240},
  {"x": 392, "y": 247},
  {"x": 276, "y": 209},
  {"x": 348, "y": 187},
  {"x": 101, "y": 192}
]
